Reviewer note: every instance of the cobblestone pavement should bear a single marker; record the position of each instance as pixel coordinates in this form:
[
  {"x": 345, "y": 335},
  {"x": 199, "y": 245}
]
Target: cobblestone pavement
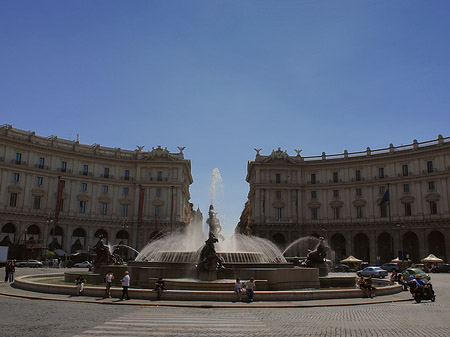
[{"x": 23, "y": 317}]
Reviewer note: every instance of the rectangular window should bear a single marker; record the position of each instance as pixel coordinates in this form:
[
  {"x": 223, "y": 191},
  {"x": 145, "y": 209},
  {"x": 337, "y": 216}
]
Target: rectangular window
[
  {"x": 124, "y": 210},
  {"x": 158, "y": 210},
  {"x": 158, "y": 192},
  {"x": 126, "y": 190},
  {"x": 359, "y": 192},
  {"x": 85, "y": 170},
  {"x": 313, "y": 194},
  {"x": 278, "y": 178},
  {"x": 82, "y": 208},
  {"x": 406, "y": 188},
  {"x": 278, "y": 195},
  {"x": 382, "y": 189},
  {"x": 336, "y": 213},
  {"x": 39, "y": 181},
  {"x": 433, "y": 207},
  {"x": 41, "y": 162},
  {"x": 358, "y": 175},
  {"x": 16, "y": 177},
  {"x": 126, "y": 175},
  {"x": 335, "y": 177},
  {"x": 37, "y": 202},
  {"x": 159, "y": 176},
  {"x": 313, "y": 178},
  {"x": 405, "y": 170},
  {"x": 84, "y": 187},
  {"x": 383, "y": 210},
  {"x": 381, "y": 172},
  {"x": 13, "y": 200},
  {"x": 314, "y": 213},
  {"x": 407, "y": 209},
  {"x": 359, "y": 212},
  {"x": 104, "y": 208},
  {"x": 61, "y": 205},
  {"x": 18, "y": 157},
  {"x": 278, "y": 213},
  {"x": 335, "y": 193},
  {"x": 63, "y": 166},
  {"x": 106, "y": 172},
  {"x": 105, "y": 188},
  {"x": 431, "y": 186},
  {"x": 430, "y": 166}
]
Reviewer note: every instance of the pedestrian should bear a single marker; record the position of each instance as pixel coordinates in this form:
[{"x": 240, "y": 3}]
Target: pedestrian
[
  {"x": 12, "y": 270},
  {"x": 80, "y": 281},
  {"x": 238, "y": 288},
  {"x": 7, "y": 270},
  {"x": 250, "y": 289},
  {"x": 125, "y": 284},
  {"x": 159, "y": 287},
  {"x": 109, "y": 278}
]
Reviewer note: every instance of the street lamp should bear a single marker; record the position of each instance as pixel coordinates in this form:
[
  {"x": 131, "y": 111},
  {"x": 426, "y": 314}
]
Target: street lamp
[{"x": 50, "y": 222}]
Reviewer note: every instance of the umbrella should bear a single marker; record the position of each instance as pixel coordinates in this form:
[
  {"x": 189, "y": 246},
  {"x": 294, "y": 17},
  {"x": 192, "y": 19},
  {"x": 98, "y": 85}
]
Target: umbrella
[
  {"x": 432, "y": 259},
  {"x": 351, "y": 259}
]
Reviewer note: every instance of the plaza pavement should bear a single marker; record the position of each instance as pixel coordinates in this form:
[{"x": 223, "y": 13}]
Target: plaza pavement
[{"x": 69, "y": 317}]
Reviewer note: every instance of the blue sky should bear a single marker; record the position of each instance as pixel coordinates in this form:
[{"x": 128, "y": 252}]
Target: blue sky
[{"x": 226, "y": 77}]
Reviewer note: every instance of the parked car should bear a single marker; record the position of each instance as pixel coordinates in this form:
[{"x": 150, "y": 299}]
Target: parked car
[
  {"x": 29, "y": 263},
  {"x": 421, "y": 266},
  {"x": 411, "y": 272},
  {"x": 341, "y": 268},
  {"x": 372, "y": 271},
  {"x": 441, "y": 268},
  {"x": 390, "y": 266},
  {"x": 84, "y": 264}
]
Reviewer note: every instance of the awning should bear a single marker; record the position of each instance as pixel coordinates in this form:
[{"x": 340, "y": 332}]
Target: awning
[
  {"x": 432, "y": 259},
  {"x": 351, "y": 259}
]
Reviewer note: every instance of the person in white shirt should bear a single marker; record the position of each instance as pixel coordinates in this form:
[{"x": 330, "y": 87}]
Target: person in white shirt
[
  {"x": 125, "y": 284},
  {"x": 108, "y": 279}
]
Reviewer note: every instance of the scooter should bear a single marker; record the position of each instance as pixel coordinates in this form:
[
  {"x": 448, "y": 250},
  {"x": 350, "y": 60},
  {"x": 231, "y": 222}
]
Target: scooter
[{"x": 420, "y": 293}]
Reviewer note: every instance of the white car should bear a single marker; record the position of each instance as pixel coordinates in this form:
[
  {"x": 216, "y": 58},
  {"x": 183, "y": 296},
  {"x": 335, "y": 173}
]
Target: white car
[
  {"x": 84, "y": 264},
  {"x": 372, "y": 271},
  {"x": 29, "y": 263}
]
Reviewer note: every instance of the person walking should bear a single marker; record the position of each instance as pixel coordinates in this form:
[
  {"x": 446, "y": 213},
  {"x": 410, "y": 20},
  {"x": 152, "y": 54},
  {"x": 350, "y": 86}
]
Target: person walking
[
  {"x": 7, "y": 270},
  {"x": 109, "y": 278},
  {"x": 12, "y": 270},
  {"x": 250, "y": 289},
  {"x": 125, "y": 284}
]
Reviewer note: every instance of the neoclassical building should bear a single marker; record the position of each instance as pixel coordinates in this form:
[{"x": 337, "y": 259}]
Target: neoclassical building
[
  {"x": 344, "y": 198},
  {"x": 60, "y": 194}
]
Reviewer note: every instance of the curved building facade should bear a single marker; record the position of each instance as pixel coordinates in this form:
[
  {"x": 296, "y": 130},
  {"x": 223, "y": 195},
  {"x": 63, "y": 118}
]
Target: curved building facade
[
  {"x": 372, "y": 204},
  {"x": 60, "y": 194}
]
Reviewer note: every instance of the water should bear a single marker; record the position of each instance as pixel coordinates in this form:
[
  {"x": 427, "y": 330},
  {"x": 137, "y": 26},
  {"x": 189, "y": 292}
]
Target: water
[{"x": 185, "y": 246}]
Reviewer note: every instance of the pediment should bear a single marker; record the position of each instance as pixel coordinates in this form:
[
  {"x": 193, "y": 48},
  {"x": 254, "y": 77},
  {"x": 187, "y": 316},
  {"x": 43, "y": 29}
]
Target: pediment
[
  {"x": 104, "y": 199},
  {"x": 314, "y": 204},
  {"x": 83, "y": 197},
  {"x": 125, "y": 201},
  {"x": 359, "y": 202},
  {"x": 407, "y": 199},
  {"x": 38, "y": 192},
  {"x": 336, "y": 203},
  {"x": 432, "y": 196},
  {"x": 14, "y": 189}
]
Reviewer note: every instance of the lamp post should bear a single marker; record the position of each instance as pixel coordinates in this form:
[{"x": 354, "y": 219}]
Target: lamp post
[{"x": 50, "y": 222}]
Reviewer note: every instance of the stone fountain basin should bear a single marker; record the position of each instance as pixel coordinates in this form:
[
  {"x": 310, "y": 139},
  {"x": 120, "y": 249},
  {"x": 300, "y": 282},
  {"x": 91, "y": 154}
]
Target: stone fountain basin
[{"x": 32, "y": 283}]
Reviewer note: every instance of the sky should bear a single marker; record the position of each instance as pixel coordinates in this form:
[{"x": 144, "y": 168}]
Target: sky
[{"x": 224, "y": 77}]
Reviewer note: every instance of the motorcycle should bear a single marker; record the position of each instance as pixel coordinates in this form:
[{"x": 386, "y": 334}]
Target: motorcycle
[{"x": 420, "y": 293}]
